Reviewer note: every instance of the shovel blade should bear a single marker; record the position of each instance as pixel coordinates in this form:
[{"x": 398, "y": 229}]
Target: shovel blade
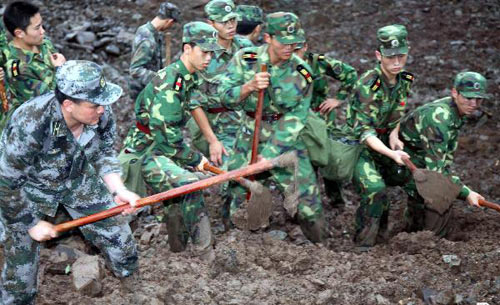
[
  {"x": 437, "y": 190},
  {"x": 254, "y": 213}
]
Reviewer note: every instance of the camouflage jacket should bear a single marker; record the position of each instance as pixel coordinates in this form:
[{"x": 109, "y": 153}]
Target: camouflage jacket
[
  {"x": 430, "y": 133},
  {"x": 146, "y": 57},
  {"x": 288, "y": 95},
  {"x": 41, "y": 156},
  {"x": 4, "y": 46},
  {"x": 30, "y": 74},
  {"x": 322, "y": 66},
  {"x": 375, "y": 107},
  {"x": 162, "y": 107}
]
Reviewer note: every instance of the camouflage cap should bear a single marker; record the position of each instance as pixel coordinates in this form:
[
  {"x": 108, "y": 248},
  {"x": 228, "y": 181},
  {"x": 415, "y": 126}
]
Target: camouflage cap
[
  {"x": 202, "y": 34},
  {"x": 250, "y": 13},
  {"x": 84, "y": 80},
  {"x": 221, "y": 10},
  {"x": 169, "y": 10},
  {"x": 285, "y": 27},
  {"x": 301, "y": 33},
  {"x": 392, "y": 39},
  {"x": 471, "y": 85}
]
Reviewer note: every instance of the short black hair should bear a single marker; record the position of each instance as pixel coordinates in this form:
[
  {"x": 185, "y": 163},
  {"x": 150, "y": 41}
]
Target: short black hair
[
  {"x": 61, "y": 97},
  {"x": 192, "y": 44},
  {"x": 17, "y": 15},
  {"x": 246, "y": 27}
]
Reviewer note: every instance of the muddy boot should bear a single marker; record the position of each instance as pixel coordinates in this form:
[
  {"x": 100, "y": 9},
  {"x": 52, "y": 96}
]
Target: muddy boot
[
  {"x": 383, "y": 232},
  {"x": 414, "y": 215},
  {"x": 314, "y": 231},
  {"x": 367, "y": 236},
  {"x": 202, "y": 240},
  {"x": 333, "y": 190},
  {"x": 177, "y": 235}
]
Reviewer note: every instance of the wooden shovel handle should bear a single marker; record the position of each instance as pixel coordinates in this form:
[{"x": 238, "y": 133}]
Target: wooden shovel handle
[
  {"x": 409, "y": 164},
  {"x": 3, "y": 97},
  {"x": 488, "y": 204},
  {"x": 218, "y": 171},
  {"x": 258, "y": 120}
]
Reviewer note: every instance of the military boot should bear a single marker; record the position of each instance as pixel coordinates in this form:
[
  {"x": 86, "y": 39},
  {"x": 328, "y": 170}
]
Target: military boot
[
  {"x": 367, "y": 235},
  {"x": 313, "y": 230},
  {"x": 333, "y": 190},
  {"x": 202, "y": 239},
  {"x": 177, "y": 235}
]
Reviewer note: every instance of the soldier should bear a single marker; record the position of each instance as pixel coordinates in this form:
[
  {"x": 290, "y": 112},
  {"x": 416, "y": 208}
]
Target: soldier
[
  {"x": 32, "y": 59},
  {"x": 378, "y": 103},
  {"x": 222, "y": 16},
  {"x": 157, "y": 139},
  {"x": 323, "y": 66},
  {"x": 288, "y": 92},
  {"x": 430, "y": 137},
  {"x": 147, "y": 47},
  {"x": 250, "y": 26},
  {"x": 58, "y": 150}
]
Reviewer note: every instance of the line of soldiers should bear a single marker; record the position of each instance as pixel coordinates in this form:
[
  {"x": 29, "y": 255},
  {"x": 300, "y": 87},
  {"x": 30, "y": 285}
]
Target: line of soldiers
[{"x": 56, "y": 148}]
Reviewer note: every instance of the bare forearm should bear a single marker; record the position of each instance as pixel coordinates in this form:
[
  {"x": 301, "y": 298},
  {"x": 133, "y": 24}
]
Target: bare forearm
[
  {"x": 113, "y": 182},
  {"x": 202, "y": 121}
]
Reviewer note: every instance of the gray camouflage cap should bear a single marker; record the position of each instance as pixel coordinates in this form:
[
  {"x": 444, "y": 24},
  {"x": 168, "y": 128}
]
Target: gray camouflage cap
[
  {"x": 285, "y": 27},
  {"x": 471, "y": 85},
  {"x": 250, "y": 13},
  {"x": 84, "y": 80},
  {"x": 221, "y": 10},
  {"x": 392, "y": 39},
  {"x": 202, "y": 34},
  {"x": 169, "y": 10}
]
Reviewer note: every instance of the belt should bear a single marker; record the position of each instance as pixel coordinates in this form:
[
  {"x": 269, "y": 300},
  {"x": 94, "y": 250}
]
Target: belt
[
  {"x": 381, "y": 130},
  {"x": 270, "y": 117},
  {"x": 218, "y": 110},
  {"x": 143, "y": 128}
]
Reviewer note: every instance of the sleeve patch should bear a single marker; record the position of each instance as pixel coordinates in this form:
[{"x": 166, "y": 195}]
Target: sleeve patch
[
  {"x": 179, "y": 81},
  {"x": 250, "y": 56},
  {"x": 321, "y": 57},
  {"x": 14, "y": 69},
  {"x": 375, "y": 85},
  {"x": 302, "y": 70},
  {"x": 407, "y": 76}
]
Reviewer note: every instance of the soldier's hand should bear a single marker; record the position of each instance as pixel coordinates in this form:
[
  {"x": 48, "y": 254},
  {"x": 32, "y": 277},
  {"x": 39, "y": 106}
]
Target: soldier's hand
[
  {"x": 1, "y": 75},
  {"x": 260, "y": 158},
  {"x": 397, "y": 155},
  {"x": 43, "y": 231},
  {"x": 199, "y": 167},
  {"x": 473, "y": 198},
  {"x": 328, "y": 105},
  {"x": 216, "y": 151},
  {"x": 395, "y": 143},
  {"x": 57, "y": 59},
  {"x": 123, "y": 196},
  {"x": 260, "y": 81}
]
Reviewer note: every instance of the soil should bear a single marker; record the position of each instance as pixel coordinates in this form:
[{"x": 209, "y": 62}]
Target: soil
[{"x": 277, "y": 265}]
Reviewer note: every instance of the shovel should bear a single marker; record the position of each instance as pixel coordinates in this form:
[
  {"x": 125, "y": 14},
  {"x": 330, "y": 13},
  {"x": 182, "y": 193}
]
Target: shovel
[
  {"x": 437, "y": 190},
  {"x": 258, "y": 208},
  {"x": 284, "y": 160},
  {"x": 490, "y": 205},
  {"x": 3, "y": 97}
]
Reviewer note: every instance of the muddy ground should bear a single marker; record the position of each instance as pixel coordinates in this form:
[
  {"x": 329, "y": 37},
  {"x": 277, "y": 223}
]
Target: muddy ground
[{"x": 276, "y": 266}]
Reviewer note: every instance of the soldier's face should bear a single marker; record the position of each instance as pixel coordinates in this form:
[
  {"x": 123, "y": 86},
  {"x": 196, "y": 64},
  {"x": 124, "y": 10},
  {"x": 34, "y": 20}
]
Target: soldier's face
[
  {"x": 85, "y": 112},
  {"x": 465, "y": 105},
  {"x": 226, "y": 30},
  {"x": 198, "y": 59},
  {"x": 34, "y": 33},
  {"x": 392, "y": 65},
  {"x": 278, "y": 50}
]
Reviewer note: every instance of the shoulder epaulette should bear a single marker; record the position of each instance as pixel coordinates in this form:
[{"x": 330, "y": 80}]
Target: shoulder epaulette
[
  {"x": 14, "y": 68},
  {"x": 250, "y": 56},
  {"x": 407, "y": 76},
  {"x": 376, "y": 84},
  {"x": 321, "y": 57},
  {"x": 307, "y": 75},
  {"x": 179, "y": 81}
]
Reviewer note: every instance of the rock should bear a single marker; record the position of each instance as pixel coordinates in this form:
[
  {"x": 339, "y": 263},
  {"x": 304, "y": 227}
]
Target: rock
[
  {"x": 381, "y": 300},
  {"x": 61, "y": 258},
  {"x": 87, "y": 275},
  {"x": 277, "y": 234},
  {"x": 102, "y": 42},
  {"x": 452, "y": 260},
  {"x": 146, "y": 237},
  {"x": 125, "y": 37},
  {"x": 324, "y": 297},
  {"x": 85, "y": 38},
  {"x": 113, "y": 50}
]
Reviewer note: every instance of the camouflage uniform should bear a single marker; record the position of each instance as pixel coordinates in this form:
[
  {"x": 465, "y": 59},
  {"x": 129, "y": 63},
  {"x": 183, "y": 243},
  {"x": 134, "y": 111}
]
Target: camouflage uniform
[
  {"x": 147, "y": 56},
  {"x": 161, "y": 112},
  {"x": 430, "y": 134},
  {"x": 374, "y": 110},
  {"x": 41, "y": 157},
  {"x": 286, "y": 106},
  {"x": 224, "y": 122},
  {"x": 4, "y": 45}
]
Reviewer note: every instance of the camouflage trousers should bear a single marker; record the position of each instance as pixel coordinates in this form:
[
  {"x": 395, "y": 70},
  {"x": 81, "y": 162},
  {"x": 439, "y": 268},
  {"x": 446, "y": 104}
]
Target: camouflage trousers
[
  {"x": 19, "y": 273},
  {"x": 162, "y": 174},
  {"x": 309, "y": 209}
]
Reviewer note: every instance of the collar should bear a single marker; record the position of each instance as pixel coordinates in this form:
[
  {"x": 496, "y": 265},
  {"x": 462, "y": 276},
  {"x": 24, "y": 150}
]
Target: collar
[
  {"x": 385, "y": 81},
  {"x": 460, "y": 119},
  {"x": 59, "y": 128}
]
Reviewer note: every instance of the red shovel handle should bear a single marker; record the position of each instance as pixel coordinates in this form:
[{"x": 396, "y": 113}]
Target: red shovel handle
[
  {"x": 258, "y": 120},
  {"x": 488, "y": 204},
  {"x": 409, "y": 164}
]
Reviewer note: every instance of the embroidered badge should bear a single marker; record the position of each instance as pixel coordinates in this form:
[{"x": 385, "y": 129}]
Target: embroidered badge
[
  {"x": 321, "y": 57},
  {"x": 178, "y": 83},
  {"x": 477, "y": 86},
  {"x": 376, "y": 85},
  {"x": 14, "y": 69},
  {"x": 402, "y": 103},
  {"x": 228, "y": 9},
  {"x": 250, "y": 56},
  {"x": 290, "y": 29},
  {"x": 395, "y": 43},
  {"x": 305, "y": 73},
  {"x": 407, "y": 76},
  {"x": 102, "y": 82}
]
